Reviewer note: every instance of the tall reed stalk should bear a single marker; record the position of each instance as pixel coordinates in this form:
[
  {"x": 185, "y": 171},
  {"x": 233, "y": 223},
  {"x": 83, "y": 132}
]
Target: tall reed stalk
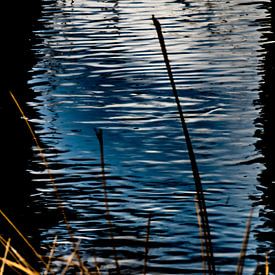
[
  {"x": 99, "y": 135},
  {"x": 195, "y": 170}
]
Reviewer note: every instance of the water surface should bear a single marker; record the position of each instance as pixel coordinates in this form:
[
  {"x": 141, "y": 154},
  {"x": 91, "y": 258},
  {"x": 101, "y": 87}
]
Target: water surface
[{"x": 99, "y": 66}]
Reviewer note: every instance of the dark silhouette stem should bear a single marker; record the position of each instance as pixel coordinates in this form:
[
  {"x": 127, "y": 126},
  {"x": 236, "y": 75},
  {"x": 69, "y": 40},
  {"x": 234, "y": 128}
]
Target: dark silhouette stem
[
  {"x": 146, "y": 247},
  {"x": 195, "y": 170},
  {"x": 99, "y": 135}
]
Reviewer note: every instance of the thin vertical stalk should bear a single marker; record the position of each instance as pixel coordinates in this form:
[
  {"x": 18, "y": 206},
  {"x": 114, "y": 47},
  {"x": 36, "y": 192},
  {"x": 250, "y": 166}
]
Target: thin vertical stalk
[
  {"x": 244, "y": 244},
  {"x": 48, "y": 267},
  {"x": 266, "y": 265},
  {"x": 146, "y": 247},
  {"x": 99, "y": 135},
  {"x": 195, "y": 170}
]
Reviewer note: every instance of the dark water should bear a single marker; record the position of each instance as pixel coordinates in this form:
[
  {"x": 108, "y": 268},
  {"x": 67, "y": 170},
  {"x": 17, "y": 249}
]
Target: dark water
[{"x": 98, "y": 65}]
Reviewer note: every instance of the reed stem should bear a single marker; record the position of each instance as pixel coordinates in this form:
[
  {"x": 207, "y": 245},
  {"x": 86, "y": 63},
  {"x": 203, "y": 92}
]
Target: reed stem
[
  {"x": 99, "y": 135},
  {"x": 195, "y": 170},
  {"x": 146, "y": 247}
]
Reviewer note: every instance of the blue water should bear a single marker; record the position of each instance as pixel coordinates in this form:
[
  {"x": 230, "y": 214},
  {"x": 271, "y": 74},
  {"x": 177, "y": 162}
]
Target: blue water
[{"x": 99, "y": 65}]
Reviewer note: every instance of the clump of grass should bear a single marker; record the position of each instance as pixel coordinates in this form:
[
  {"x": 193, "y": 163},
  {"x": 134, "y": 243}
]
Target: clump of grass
[
  {"x": 82, "y": 267},
  {"x": 17, "y": 262}
]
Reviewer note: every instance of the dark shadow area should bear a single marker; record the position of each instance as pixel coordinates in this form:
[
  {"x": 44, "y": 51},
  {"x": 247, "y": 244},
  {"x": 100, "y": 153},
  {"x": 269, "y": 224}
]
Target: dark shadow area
[
  {"x": 265, "y": 233},
  {"x": 17, "y": 21}
]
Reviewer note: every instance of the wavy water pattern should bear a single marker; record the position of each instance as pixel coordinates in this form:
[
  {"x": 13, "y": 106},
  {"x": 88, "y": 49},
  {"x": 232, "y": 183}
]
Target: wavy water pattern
[{"x": 100, "y": 66}]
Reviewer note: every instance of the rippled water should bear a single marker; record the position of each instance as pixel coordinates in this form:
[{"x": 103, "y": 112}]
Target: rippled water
[{"x": 99, "y": 66}]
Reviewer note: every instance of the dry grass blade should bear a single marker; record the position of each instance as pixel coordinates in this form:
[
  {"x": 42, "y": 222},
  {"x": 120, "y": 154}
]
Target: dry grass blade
[
  {"x": 27, "y": 122},
  {"x": 59, "y": 201},
  {"x": 5, "y": 256},
  {"x": 15, "y": 255},
  {"x": 99, "y": 135},
  {"x": 69, "y": 261},
  {"x": 51, "y": 256},
  {"x": 196, "y": 175},
  {"x": 240, "y": 266},
  {"x": 18, "y": 266},
  {"x": 266, "y": 265},
  {"x": 22, "y": 237}
]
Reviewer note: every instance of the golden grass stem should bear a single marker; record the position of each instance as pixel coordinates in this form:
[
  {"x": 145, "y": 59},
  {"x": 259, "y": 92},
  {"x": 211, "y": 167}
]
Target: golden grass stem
[
  {"x": 266, "y": 264},
  {"x": 22, "y": 237},
  {"x": 46, "y": 164},
  {"x": 69, "y": 261},
  {"x": 5, "y": 256},
  {"x": 240, "y": 266},
  {"x": 15, "y": 255},
  {"x": 18, "y": 266},
  {"x": 48, "y": 267},
  {"x": 195, "y": 170}
]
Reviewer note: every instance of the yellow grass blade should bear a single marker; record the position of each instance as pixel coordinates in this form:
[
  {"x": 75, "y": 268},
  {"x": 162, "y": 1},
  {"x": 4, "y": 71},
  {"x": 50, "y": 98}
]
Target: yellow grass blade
[
  {"x": 59, "y": 201},
  {"x": 22, "y": 237},
  {"x": 266, "y": 265},
  {"x": 68, "y": 264},
  {"x": 5, "y": 256},
  {"x": 33, "y": 135},
  {"x": 50, "y": 256},
  {"x": 18, "y": 266},
  {"x": 25, "y": 118},
  {"x": 13, "y": 253}
]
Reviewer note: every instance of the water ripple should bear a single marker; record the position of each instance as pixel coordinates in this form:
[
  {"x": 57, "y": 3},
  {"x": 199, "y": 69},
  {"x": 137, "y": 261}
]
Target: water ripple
[{"x": 99, "y": 66}]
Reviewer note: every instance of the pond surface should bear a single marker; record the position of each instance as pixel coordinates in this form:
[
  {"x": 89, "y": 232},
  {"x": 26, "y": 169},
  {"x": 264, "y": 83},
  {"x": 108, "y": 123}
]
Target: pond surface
[{"x": 99, "y": 65}]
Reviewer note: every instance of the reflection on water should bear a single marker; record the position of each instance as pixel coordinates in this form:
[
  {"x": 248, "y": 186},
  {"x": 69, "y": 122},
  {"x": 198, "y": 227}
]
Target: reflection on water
[{"x": 99, "y": 66}]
